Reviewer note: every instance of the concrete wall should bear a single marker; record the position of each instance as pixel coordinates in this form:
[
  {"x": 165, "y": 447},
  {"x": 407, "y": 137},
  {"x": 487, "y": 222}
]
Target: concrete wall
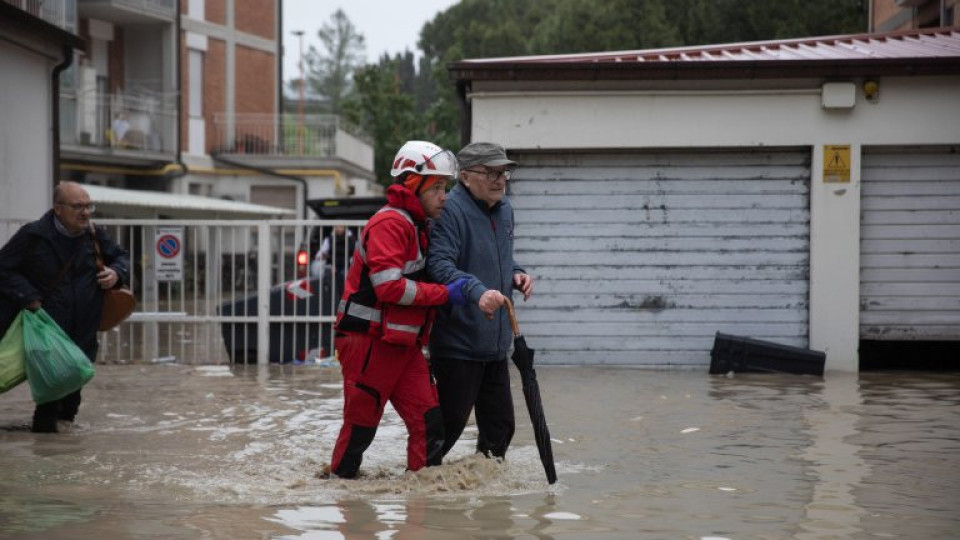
[
  {"x": 26, "y": 134},
  {"x": 908, "y": 111}
]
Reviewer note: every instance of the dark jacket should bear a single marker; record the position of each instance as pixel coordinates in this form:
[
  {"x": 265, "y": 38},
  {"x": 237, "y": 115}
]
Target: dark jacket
[
  {"x": 473, "y": 241},
  {"x": 31, "y": 260}
]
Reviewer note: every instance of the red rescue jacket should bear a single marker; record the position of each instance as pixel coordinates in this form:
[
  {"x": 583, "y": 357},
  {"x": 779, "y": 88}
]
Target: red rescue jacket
[{"x": 385, "y": 294}]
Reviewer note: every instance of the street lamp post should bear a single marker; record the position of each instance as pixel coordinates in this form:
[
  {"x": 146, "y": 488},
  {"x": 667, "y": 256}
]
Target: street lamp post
[{"x": 303, "y": 83}]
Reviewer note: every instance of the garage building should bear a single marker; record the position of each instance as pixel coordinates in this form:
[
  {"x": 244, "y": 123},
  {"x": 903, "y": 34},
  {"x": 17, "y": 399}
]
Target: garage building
[{"x": 805, "y": 192}]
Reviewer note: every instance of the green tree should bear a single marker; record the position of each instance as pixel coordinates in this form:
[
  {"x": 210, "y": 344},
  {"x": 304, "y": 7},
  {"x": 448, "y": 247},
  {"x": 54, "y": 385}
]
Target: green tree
[
  {"x": 329, "y": 73},
  {"x": 703, "y": 22},
  {"x": 384, "y": 110},
  {"x": 612, "y": 25}
]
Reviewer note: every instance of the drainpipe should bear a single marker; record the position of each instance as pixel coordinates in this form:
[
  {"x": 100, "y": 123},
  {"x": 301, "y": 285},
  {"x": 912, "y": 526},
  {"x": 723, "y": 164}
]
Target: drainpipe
[
  {"x": 178, "y": 37},
  {"x": 55, "y": 83},
  {"x": 280, "y": 52},
  {"x": 466, "y": 113}
]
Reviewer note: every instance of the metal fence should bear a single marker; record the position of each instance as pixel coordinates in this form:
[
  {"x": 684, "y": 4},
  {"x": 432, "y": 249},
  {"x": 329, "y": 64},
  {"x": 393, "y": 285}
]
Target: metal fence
[
  {"x": 316, "y": 135},
  {"x": 211, "y": 292}
]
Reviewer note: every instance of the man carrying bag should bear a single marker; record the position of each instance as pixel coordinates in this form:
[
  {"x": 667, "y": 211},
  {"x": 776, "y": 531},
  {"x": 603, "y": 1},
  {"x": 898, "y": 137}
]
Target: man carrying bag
[{"x": 51, "y": 263}]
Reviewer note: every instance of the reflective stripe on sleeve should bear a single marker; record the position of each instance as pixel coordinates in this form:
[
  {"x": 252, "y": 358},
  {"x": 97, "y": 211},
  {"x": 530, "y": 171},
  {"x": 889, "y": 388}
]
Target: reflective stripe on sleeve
[
  {"x": 410, "y": 267},
  {"x": 383, "y": 276},
  {"x": 409, "y": 293},
  {"x": 361, "y": 250}
]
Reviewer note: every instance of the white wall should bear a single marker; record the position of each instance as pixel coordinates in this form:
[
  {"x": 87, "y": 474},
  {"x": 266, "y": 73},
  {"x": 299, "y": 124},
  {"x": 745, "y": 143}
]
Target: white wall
[
  {"x": 354, "y": 150},
  {"x": 26, "y": 138},
  {"x": 925, "y": 107},
  {"x": 919, "y": 110}
]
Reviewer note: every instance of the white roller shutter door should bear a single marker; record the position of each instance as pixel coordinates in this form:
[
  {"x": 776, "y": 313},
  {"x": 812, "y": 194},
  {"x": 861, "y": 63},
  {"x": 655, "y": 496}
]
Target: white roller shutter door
[
  {"x": 910, "y": 244},
  {"x": 641, "y": 258}
]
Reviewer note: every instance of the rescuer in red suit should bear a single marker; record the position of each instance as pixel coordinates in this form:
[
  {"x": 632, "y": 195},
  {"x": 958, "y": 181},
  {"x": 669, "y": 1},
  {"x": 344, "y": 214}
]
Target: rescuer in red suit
[{"x": 384, "y": 316}]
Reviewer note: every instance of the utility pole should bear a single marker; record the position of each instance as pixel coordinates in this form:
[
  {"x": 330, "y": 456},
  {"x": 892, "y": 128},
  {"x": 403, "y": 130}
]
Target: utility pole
[{"x": 303, "y": 83}]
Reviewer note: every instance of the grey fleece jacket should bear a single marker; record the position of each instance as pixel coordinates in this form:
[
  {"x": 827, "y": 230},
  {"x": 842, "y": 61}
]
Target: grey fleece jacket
[{"x": 473, "y": 241}]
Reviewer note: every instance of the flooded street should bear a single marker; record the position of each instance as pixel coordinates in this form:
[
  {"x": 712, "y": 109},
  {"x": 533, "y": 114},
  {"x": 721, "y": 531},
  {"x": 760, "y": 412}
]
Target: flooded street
[{"x": 184, "y": 452}]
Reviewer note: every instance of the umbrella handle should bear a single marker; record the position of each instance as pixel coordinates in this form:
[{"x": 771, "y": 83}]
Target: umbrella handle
[{"x": 513, "y": 317}]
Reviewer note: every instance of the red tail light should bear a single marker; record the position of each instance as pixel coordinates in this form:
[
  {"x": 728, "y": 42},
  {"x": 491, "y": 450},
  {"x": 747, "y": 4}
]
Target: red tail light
[{"x": 303, "y": 263}]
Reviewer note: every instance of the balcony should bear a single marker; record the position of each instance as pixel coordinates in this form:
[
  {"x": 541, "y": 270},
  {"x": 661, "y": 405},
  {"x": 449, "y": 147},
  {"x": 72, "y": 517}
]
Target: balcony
[
  {"x": 62, "y": 13},
  {"x": 129, "y": 127},
  {"x": 290, "y": 137},
  {"x": 129, "y": 11}
]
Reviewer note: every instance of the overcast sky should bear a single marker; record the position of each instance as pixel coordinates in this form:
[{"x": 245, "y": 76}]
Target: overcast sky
[{"x": 386, "y": 25}]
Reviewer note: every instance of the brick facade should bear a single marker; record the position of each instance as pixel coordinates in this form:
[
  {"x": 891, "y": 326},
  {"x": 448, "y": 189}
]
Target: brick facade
[
  {"x": 255, "y": 84},
  {"x": 255, "y": 89},
  {"x": 214, "y": 86},
  {"x": 258, "y": 17},
  {"x": 216, "y": 10}
]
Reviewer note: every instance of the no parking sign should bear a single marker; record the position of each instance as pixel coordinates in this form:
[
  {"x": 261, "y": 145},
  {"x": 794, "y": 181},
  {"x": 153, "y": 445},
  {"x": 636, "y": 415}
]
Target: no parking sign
[{"x": 169, "y": 252}]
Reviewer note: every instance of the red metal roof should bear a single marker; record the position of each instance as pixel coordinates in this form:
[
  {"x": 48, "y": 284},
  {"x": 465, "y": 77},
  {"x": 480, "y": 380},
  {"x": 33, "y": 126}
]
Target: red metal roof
[
  {"x": 937, "y": 42},
  {"x": 934, "y": 51}
]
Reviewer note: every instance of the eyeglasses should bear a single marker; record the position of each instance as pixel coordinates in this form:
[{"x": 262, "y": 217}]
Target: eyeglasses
[
  {"x": 79, "y": 207},
  {"x": 493, "y": 175}
]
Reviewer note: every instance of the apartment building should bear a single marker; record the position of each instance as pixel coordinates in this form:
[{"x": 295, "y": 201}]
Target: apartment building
[
  {"x": 235, "y": 142},
  {"x": 183, "y": 97}
]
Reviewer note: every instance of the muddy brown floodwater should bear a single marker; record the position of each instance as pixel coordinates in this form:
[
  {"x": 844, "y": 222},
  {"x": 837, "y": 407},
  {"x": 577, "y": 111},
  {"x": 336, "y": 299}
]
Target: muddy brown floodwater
[{"x": 200, "y": 452}]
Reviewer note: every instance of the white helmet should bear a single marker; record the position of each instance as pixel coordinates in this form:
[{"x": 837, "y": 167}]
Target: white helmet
[{"x": 424, "y": 158}]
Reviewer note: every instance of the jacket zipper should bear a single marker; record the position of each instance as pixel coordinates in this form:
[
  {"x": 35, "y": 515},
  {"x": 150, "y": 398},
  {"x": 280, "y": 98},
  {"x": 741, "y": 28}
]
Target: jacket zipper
[{"x": 496, "y": 246}]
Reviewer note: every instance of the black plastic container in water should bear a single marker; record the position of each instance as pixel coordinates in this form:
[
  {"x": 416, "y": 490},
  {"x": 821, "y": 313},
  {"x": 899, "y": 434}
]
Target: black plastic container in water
[{"x": 746, "y": 355}]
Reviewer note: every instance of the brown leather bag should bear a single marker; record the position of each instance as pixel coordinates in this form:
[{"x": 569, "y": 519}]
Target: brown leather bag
[{"x": 118, "y": 302}]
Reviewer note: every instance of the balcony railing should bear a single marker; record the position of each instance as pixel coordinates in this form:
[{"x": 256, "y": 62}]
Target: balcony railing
[
  {"x": 291, "y": 135},
  {"x": 139, "y": 122},
  {"x": 163, "y": 7},
  {"x": 62, "y": 13}
]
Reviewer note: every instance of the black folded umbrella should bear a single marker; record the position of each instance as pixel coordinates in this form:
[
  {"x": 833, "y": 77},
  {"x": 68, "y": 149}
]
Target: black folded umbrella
[{"x": 523, "y": 359}]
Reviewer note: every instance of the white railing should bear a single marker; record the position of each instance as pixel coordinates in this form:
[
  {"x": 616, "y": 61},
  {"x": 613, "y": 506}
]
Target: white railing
[
  {"x": 162, "y": 6},
  {"x": 312, "y": 135},
  {"x": 144, "y": 121},
  {"x": 61, "y": 13},
  {"x": 232, "y": 286}
]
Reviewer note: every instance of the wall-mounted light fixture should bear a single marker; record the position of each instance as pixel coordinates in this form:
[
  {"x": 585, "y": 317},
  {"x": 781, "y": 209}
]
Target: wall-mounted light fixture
[
  {"x": 838, "y": 95},
  {"x": 871, "y": 90}
]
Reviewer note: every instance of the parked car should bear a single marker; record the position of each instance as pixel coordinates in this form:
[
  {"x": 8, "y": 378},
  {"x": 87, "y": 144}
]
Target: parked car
[{"x": 289, "y": 341}]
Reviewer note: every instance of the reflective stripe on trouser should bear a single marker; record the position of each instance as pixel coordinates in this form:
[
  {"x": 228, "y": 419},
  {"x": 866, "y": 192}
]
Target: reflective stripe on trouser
[{"x": 375, "y": 372}]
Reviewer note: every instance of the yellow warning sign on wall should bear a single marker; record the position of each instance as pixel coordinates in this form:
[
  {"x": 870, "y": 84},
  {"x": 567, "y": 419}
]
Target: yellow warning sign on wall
[{"x": 836, "y": 163}]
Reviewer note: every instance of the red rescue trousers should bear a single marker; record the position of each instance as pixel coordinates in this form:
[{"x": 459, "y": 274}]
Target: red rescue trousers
[{"x": 375, "y": 372}]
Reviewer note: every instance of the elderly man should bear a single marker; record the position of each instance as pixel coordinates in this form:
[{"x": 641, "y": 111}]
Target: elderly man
[
  {"x": 50, "y": 263},
  {"x": 473, "y": 239}
]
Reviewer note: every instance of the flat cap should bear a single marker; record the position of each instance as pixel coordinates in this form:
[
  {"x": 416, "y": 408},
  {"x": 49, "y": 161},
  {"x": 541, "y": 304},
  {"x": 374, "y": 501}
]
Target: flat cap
[{"x": 483, "y": 153}]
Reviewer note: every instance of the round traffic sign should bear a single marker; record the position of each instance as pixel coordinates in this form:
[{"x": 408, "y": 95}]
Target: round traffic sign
[{"x": 168, "y": 246}]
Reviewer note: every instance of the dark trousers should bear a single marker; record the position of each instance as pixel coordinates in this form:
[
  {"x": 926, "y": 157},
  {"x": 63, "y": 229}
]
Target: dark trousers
[
  {"x": 46, "y": 415},
  {"x": 484, "y": 387}
]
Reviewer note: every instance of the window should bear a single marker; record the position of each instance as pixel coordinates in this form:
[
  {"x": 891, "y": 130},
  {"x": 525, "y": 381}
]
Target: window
[{"x": 196, "y": 83}]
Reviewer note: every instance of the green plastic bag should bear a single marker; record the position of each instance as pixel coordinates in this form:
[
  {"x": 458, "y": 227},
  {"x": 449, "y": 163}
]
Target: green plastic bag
[
  {"x": 55, "y": 365},
  {"x": 12, "y": 371}
]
